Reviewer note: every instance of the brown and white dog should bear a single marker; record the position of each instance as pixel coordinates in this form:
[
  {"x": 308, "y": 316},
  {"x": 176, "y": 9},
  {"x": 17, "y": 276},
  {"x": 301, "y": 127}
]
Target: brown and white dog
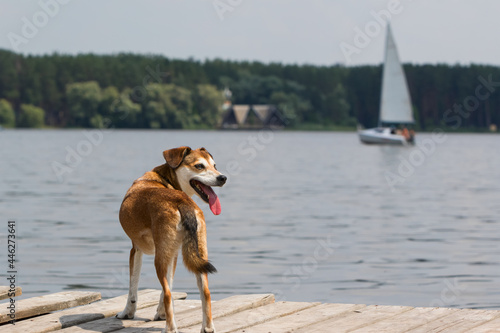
[{"x": 160, "y": 217}]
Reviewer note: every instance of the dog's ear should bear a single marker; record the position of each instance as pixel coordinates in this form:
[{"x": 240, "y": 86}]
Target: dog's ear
[
  {"x": 174, "y": 157},
  {"x": 206, "y": 151}
]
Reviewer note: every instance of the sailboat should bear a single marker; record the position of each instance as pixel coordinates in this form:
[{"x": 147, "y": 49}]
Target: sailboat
[{"x": 395, "y": 103}]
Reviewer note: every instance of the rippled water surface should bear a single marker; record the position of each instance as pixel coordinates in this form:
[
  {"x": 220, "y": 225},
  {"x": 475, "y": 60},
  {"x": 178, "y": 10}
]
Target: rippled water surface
[{"x": 307, "y": 216}]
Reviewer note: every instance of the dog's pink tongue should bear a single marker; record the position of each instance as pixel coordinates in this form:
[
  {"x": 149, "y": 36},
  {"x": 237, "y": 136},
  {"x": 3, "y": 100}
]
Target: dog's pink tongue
[{"x": 213, "y": 200}]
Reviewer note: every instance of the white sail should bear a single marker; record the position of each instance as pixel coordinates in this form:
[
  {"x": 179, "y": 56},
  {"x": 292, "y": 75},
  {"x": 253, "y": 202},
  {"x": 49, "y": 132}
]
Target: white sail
[{"x": 395, "y": 103}]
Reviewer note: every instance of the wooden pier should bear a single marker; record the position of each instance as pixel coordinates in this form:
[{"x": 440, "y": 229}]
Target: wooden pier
[{"x": 83, "y": 311}]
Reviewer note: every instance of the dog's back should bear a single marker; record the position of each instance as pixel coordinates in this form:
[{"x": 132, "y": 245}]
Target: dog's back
[{"x": 153, "y": 207}]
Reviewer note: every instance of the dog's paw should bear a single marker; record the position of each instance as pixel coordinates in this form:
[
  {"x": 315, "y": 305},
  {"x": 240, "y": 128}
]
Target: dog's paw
[
  {"x": 160, "y": 316},
  {"x": 207, "y": 330},
  {"x": 124, "y": 315}
]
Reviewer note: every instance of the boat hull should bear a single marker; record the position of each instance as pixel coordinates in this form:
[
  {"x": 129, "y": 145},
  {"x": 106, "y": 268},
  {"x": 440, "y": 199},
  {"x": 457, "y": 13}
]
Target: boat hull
[{"x": 382, "y": 136}]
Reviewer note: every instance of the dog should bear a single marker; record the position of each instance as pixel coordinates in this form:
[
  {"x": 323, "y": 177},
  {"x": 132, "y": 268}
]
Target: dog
[{"x": 160, "y": 218}]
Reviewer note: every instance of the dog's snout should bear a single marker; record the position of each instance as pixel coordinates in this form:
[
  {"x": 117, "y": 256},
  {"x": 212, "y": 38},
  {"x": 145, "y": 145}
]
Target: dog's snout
[{"x": 221, "y": 179}]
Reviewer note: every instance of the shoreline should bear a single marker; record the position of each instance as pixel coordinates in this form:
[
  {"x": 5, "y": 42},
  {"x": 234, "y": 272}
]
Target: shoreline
[{"x": 333, "y": 129}]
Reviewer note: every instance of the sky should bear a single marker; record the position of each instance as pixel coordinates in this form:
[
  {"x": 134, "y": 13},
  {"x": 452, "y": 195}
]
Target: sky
[{"x": 317, "y": 32}]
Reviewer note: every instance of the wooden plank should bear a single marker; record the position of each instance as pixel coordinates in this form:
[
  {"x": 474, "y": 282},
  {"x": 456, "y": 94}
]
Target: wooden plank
[
  {"x": 141, "y": 316},
  {"x": 44, "y": 304},
  {"x": 224, "y": 307},
  {"x": 458, "y": 321},
  {"x": 227, "y": 307},
  {"x": 249, "y": 318},
  {"x": 266, "y": 319},
  {"x": 407, "y": 320},
  {"x": 86, "y": 313},
  {"x": 356, "y": 319},
  {"x": 4, "y": 292},
  {"x": 488, "y": 327}
]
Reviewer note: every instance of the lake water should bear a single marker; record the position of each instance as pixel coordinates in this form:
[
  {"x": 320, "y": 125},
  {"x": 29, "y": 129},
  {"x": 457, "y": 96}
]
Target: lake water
[{"x": 309, "y": 216}]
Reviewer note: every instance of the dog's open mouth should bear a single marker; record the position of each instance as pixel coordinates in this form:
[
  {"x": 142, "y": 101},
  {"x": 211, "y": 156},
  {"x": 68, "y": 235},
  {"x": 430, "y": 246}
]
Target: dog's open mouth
[{"x": 208, "y": 195}]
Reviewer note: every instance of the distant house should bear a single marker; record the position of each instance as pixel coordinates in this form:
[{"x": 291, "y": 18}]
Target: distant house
[{"x": 252, "y": 117}]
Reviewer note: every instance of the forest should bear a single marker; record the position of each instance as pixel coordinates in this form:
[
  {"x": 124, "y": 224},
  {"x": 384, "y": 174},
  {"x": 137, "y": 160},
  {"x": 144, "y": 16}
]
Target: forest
[{"x": 152, "y": 91}]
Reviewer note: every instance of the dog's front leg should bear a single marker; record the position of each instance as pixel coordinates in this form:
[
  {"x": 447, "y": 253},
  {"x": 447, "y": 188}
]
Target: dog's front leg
[
  {"x": 135, "y": 263},
  {"x": 206, "y": 303}
]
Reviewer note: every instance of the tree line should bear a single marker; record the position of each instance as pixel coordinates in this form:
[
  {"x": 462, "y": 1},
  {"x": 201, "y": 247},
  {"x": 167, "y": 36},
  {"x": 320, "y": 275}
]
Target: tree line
[{"x": 150, "y": 91}]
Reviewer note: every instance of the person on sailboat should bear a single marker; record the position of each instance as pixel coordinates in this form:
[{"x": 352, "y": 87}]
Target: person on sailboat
[
  {"x": 412, "y": 136},
  {"x": 406, "y": 134}
]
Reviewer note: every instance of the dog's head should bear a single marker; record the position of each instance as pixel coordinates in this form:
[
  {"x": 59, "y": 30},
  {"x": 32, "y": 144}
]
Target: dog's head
[{"x": 196, "y": 174}]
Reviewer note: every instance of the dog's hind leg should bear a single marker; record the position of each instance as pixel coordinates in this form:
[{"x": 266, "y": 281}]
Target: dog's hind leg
[
  {"x": 135, "y": 264},
  {"x": 202, "y": 278},
  {"x": 162, "y": 266},
  {"x": 160, "y": 312},
  {"x": 195, "y": 255},
  {"x": 208, "y": 325}
]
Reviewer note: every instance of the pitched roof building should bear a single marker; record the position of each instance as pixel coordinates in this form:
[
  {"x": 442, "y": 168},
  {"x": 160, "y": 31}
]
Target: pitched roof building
[{"x": 252, "y": 117}]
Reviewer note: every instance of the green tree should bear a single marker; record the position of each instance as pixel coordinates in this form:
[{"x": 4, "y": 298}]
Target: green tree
[
  {"x": 293, "y": 107},
  {"x": 124, "y": 113},
  {"x": 9, "y": 75},
  {"x": 31, "y": 116},
  {"x": 207, "y": 102},
  {"x": 83, "y": 100},
  {"x": 167, "y": 106},
  {"x": 109, "y": 97},
  {"x": 338, "y": 107},
  {"x": 7, "y": 115}
]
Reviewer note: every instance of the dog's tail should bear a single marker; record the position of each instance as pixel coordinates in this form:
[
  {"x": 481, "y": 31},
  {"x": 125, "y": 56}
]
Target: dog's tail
[{"x": 190, "y": 244}]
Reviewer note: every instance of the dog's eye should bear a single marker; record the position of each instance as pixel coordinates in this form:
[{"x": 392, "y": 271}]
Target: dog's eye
[{"x": 199, "y": 166}]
